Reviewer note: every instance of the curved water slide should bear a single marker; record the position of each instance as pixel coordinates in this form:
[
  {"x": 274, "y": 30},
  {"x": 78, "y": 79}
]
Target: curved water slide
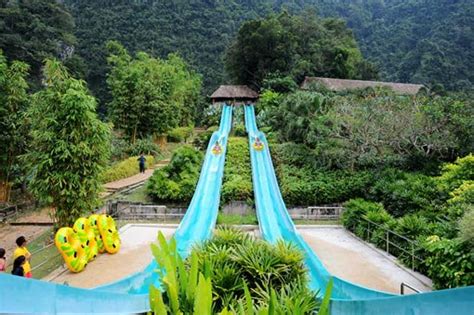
[
  {"x": 347, "y": 298},
  {"x": 130, "y": 294}
]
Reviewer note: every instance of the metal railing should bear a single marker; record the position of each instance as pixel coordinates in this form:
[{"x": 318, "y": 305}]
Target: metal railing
[
  {"x": 318, "y": 213},
  {"x": 404, "y": 285},
  {"x": 392, "y": 242}
]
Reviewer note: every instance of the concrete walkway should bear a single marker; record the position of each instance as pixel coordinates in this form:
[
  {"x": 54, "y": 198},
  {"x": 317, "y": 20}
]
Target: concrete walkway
[
  {"x": 125, "y": 182},
  {"x": 354, "y": 260}
]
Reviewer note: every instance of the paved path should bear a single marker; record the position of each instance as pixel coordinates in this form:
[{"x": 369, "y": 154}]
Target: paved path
[
  {"x": 351, "y": 259},
  {"x": 125, "y": 182}
]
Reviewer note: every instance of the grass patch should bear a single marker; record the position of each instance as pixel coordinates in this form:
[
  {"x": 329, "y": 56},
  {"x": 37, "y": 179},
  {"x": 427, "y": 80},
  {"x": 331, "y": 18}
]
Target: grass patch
[
  {"x": 138, "y": 195},
  {"x": 236, "y": 219}
]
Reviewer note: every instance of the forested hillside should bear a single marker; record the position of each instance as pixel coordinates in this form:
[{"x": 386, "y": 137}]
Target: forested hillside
[
  {"x": 420, "y": 41},
  {"x": 416, "y": 41},
  {"x": 199, "y": 31},
  {"x": 411, "y": 41}
]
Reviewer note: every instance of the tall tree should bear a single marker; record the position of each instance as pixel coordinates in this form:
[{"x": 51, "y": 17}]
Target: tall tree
[
  {"x": 13, "y": 131},
  {"x": 150, "y": 95},
  {"x": 295, "y": 45},
  {"x": 69, "y": 145}
]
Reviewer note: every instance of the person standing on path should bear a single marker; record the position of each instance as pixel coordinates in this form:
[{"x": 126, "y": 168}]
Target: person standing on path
[
  {"x": 21, "y": 250},
  {"x": 141, "y": 162}
]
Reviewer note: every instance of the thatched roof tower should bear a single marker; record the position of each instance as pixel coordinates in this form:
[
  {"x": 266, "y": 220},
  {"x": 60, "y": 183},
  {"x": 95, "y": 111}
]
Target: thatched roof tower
[{"x": 234, "y": 94}]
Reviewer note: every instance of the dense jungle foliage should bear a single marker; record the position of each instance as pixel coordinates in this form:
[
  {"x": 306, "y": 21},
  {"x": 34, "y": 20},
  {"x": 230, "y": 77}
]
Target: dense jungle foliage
[
  {"x": 405, "y": 162},
  {"x": 419, "y": 41}
]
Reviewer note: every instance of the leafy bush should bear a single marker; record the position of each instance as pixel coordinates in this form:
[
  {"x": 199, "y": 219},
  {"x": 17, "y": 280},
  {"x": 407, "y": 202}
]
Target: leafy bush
[
  {"x": 456, "y": 174},
  {"x": 124, "y": 169},
  {"x": 237, "y": 183},
  {"x": 450, "y": 263},
  {"x": 238, "y": 260},
  {"x": 308, "y": 186},
  {"x": 176, "y": 181},
  {"x": 233, "y": 273},
  {"x": 239, "y": 131},
  {"x": 402, "y": 193},
  {"x": 145, "y": 146},
  {"x": 354, "y": 209},
  {"x": 202, "y": 140},
  {"x": 180, "y": 134}
]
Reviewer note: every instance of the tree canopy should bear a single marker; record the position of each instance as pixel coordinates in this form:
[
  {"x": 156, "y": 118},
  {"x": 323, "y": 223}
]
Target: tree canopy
[
  {"x": 150, "y": 95},
  {"x": 295, "y": 45}
]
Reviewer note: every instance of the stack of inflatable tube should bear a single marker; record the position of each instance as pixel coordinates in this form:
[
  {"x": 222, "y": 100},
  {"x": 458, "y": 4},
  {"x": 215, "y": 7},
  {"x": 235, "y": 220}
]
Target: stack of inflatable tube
[{"x": 88, "y": 237}]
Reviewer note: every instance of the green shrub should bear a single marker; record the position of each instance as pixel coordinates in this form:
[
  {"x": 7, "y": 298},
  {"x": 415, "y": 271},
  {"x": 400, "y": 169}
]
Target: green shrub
[
  {"x": 239, "y": 131},
  {"x": 145, "y": 146},
  {"x": 403, "y": 193},
  {"x": 202, "y": 140},
  {"x": 124, "y": 169},
  {"x": 237, "y": 183},
  {"x": 308, "y": 186},
  {"x": 355, "y": 209},
  {"x": 176, "y": 181},
  {"x": 233, "y": 273},
  {"x": 457, "y": 173},
  {"x": 180, "y": 134},
  {"x": 450, "y": 263},
  {"x": 237, "y": 259}
]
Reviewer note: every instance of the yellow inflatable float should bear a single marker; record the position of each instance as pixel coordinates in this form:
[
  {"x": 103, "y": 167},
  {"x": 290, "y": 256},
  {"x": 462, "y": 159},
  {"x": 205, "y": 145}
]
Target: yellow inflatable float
[
  {"x": 109, "y": 233},
  {"x": 88, "y": 237},
  {"x": 258, "y": 145},
  {"x": 70, "y": 247},
  {"x": 95, "y": 229},
  {"x": 217, "y": 149}
]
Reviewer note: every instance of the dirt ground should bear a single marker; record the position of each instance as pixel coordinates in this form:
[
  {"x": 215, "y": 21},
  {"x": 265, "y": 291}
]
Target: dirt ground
[
  {"x": 352, "y": 260},
  {"x": 134, "y": 255}
]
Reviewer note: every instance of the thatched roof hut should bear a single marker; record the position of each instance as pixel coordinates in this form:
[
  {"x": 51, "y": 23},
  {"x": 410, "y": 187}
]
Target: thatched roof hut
[
  {"x": 343, "y": 85},
  {"x": 233, "y": 94}
]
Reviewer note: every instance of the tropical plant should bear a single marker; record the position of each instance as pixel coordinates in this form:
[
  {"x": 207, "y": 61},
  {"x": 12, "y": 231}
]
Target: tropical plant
[
  {"x": 209, "y": 280},
  {"x": 69, "y": 145}
]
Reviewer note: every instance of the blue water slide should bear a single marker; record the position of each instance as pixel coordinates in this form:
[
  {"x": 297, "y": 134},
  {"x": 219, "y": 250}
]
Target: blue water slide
[
  {"x": 275, "y": 223},
  {"x": 200, "y": 217},
  {"x": 130, "y": 294}
]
